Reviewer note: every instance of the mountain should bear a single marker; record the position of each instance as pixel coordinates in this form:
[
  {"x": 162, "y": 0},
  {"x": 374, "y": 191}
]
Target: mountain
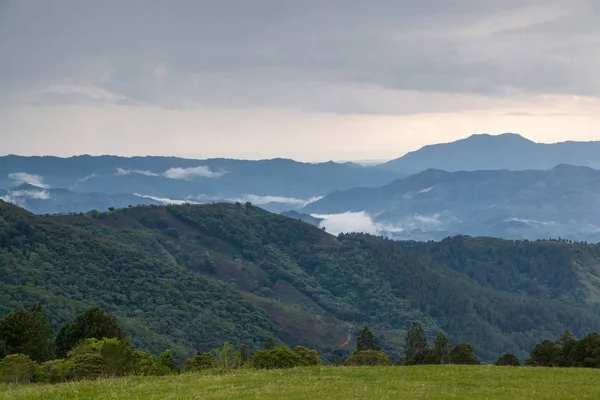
[
  {"x": 487, "y": 152},
  {"x": 278, "y": 184},
  {"x": 560, "y": 202},
  {"x": 190, "y": 277},
  {"x": 41, "y": 200}
]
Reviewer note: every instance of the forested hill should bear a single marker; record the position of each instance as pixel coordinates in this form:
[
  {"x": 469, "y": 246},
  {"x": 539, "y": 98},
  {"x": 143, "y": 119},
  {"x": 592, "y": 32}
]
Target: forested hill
[{"x": 191, "y": 276}]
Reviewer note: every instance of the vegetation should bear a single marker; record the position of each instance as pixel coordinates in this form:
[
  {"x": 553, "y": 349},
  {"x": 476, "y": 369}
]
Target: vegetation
[
  {"x": 189, "y": 277},
  {"x": 440, "y": 382}
]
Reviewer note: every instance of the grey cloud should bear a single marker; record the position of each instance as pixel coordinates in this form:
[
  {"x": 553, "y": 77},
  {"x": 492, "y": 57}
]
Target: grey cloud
[{"x": 346, "y": 56}]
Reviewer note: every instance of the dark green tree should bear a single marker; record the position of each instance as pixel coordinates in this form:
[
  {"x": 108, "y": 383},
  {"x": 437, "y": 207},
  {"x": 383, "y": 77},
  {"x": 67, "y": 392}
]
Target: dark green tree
[
  {"x": 94, "y": 323},
  {"x": 442, "y": 348},
  {"x": 244, "y": 354},
  {"x": 508, "y": 359},
  {"x": 544, "y": 354},
  {"x": 269, "y": 344},
  {"x": 27, "y": 332},
  {"x": 415, "y": 346},
  {"x": 199, "y": 362},
  {"x": 463, "y": 353},
  {"x": 565, "y": 344},
  {"x": 365, "y": 341}
]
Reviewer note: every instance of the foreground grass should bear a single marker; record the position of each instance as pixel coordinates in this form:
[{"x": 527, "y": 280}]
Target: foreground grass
[{"x": 419, "y": 382}]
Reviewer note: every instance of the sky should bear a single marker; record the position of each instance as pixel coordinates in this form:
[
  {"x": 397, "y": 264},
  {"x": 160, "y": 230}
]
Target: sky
[{"x": 312, "y": 80}]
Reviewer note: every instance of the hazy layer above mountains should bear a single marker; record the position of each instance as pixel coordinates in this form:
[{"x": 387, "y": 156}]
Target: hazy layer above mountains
[{"x": 498, "y": 193}]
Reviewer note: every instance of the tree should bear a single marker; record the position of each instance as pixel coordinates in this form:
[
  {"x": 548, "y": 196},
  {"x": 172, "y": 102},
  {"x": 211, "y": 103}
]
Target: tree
[
  {"x": 463, "y": 353},
  {"x": 269, "y": 344},
  {"x": 365, "y": 341},
  {"x": 244, "y": 354},
  {"x": 166, "y": 363},
  {"x": 199, "y": 362},
  {"x": 227, "y": 358},
  {"x": 368, "y": 358},
  {"x": 94, "y": 323},
  {"x": 415, "y": 347},
  {"x": 27, "y": 332},
  {"x": 565, "y": 344},
  {"x": 442, "y": 348},
  {"x": 508, "y": 359},
  {"x": 544, "y": 354}
]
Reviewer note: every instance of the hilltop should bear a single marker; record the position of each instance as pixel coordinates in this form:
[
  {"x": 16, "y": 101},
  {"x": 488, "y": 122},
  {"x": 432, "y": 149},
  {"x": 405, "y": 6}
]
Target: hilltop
[{"x": 508, "y": 151}]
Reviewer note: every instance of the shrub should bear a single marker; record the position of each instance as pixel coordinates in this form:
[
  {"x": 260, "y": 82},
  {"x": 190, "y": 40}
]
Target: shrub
[
  {"x": 308, "y": 357},
  {"x": 279, "y": 357},
  {"x": 146, "y": 366},
  {"x": 56, "y": 371},
  {"x": 93, "y": 358},
  {"x": 166, "y": 364},
  {"x": 199, "y": 362},
  {"x": 368, "y": 358},
  {"x": 463, "y": 353},
  {"x": 508, "y": 359},
  {"x": 18, "y": 368}
]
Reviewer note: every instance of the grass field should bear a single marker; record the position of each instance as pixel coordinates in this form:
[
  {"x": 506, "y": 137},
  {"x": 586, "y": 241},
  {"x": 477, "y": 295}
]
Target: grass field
[{"x": 420, "y": 382}]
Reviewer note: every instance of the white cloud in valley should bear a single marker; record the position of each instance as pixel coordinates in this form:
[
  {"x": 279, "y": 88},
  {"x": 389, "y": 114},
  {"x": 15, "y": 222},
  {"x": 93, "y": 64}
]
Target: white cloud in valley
[{"x": 32, "y": 179}]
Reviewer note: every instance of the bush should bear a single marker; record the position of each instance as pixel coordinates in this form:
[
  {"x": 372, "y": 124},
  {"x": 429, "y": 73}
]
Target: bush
[
  {"x": 463, "y": 353},
  {"x": 146, "y": 366},
  {"x": 308, "y": 357},
  {"x": 508, "y": 359},
  {"x": 279, "y": 357},
  {"x": 199, "y": 362},
  {"x": 166, "y": 364},
  {"x": 18, "y": 368},
  {"x": 56, "y": 371},
  {"x": 93, "y": 358},
  {"x": 368, "y": 358}
]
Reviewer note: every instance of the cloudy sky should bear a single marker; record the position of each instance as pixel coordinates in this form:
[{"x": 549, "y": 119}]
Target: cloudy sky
[{"x": 311, "y": 79}]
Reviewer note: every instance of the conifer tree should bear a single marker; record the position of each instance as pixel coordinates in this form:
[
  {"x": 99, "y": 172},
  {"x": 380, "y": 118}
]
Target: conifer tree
[
  {"x": 415, "y": 347},
  {"x": 365, "y": 341}
]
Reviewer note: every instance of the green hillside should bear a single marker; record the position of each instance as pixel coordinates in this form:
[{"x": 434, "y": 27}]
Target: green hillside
[{"x": 190, "y": 277}]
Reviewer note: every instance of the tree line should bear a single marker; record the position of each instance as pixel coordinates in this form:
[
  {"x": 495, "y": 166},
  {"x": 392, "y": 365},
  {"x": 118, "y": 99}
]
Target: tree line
[{"x": 95, "y": 346}]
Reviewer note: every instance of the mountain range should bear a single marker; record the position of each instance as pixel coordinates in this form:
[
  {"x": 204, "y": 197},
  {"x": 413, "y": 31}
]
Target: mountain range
[
  {"x": 560, "y": 202},
  {"x": 189, "y": 277},
  {"x": 504, "y": 186},
  {"x": 277, "y": 184}
]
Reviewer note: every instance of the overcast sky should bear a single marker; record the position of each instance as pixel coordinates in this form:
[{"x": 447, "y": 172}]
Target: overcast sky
[{"x": 310, "y": 79}]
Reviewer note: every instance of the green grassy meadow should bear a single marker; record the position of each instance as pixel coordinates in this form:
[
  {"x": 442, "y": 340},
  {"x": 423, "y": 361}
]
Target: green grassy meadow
[{"x": 419, "y": 382}]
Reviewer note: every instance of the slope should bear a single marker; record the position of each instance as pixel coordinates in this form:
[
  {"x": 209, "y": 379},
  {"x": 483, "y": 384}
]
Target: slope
[
  {"x": 160, "y": 303},
  {"x": 500, "y": 295}
]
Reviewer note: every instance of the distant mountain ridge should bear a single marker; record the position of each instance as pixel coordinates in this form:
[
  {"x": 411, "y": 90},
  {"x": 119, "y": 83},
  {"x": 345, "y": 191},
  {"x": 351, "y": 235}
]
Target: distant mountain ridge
[
  {"x": 508, "y": 151},
  {"x": 277, "y": 184},
  {"x": 532, "y": 204}
]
